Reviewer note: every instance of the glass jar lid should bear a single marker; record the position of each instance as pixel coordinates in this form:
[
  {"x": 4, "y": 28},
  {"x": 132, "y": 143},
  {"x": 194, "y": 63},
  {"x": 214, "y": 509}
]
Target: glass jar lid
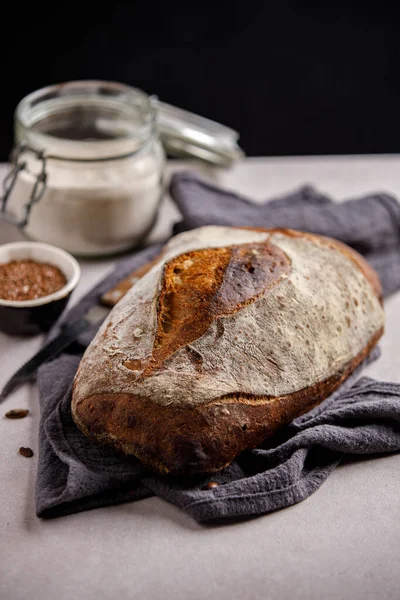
[
  {"x": 186, "y": 134},
  {"x": 78, "y": 114}
]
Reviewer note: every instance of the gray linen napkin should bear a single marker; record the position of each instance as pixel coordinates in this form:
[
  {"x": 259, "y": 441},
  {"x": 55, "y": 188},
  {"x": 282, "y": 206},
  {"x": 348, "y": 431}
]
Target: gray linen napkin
[{"x": 362, "y": 417}]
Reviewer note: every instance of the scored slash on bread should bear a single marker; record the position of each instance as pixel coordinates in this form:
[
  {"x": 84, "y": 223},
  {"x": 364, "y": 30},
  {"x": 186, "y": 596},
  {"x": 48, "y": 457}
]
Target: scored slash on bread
[{"x": 226, "y": 336}]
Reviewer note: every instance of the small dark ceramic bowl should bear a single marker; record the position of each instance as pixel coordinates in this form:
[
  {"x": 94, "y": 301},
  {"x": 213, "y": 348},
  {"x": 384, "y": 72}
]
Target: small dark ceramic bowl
[{"x": 30, "y": 317}]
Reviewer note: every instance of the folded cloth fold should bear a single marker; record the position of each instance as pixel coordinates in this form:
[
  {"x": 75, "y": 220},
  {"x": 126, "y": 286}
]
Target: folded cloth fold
[{"x": 362, "y": 417}]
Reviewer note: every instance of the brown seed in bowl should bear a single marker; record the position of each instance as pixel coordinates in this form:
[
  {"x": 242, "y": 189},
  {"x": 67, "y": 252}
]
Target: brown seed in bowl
[
  {"x": 28, "y": 279},
  {"x": 27, "y": 452},
  {"x": 17, "y": 413}
]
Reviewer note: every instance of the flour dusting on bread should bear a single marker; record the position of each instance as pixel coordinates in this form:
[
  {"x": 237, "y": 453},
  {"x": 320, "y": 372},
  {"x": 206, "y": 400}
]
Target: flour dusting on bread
[{"x": 230, "y": 318}]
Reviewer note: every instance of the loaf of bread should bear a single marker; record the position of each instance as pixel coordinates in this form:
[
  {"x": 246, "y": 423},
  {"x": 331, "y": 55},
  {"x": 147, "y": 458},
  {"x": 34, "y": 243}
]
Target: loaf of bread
[{"x": 231, "y": 334}]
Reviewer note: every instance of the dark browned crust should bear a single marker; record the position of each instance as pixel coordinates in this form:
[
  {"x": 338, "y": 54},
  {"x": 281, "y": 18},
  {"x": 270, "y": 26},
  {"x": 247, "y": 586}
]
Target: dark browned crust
[
  {"x": 205, "y": 439},
  {"x": 184, "y": 312},
  {"x": 201, "y": 286}
]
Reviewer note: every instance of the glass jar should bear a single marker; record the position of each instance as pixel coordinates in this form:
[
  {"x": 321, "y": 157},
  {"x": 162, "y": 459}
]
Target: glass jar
[{"x": 88, "y": 167}]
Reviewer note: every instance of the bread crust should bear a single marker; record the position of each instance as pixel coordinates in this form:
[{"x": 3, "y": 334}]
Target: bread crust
[
  {"x": 358, "y": 260},
  {"x": 205, "y": 439},
  {"x": 176, "y": 439}
]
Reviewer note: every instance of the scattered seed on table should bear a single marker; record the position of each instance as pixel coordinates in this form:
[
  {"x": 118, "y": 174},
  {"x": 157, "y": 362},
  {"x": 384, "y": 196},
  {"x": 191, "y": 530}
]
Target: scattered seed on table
[
  {"x": 17, "y": 413},
  {"x": 210, "y": 485},
  {"x": 25, "y": 452}
]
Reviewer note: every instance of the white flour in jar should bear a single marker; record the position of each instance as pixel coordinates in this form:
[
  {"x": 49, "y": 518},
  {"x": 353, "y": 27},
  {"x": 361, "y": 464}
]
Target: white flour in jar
[{"x": 94, "y": 208}]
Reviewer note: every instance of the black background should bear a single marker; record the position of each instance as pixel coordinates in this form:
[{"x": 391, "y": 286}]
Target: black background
[{"x": 307, "y": 77}]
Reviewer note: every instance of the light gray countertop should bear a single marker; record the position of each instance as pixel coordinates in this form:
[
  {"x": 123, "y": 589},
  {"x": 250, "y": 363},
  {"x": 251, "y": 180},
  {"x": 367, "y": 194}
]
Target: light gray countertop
[{"x": 342, "y": 542}]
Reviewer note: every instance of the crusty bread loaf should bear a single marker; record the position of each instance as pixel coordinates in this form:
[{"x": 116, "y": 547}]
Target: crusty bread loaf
[{"x": 232, "y": 333}]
